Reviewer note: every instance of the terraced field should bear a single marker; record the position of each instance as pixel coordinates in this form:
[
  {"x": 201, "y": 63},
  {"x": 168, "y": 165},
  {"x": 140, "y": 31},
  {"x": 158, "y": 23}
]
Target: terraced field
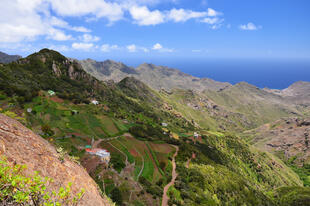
[{"x": 67, "y": 118}]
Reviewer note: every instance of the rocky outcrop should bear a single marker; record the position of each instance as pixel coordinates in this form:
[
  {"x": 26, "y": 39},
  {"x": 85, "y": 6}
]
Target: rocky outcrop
[
  {"x": 287, "y": 136},
  {"x": 21, "y": 146}
]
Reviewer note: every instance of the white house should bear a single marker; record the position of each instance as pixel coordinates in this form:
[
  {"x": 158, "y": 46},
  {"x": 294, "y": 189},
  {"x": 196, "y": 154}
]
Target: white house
[
  {"x": 102, "y": 153},
  {"x": 51, "y": 92},
  {"x": 29, "y": 110},
  {"x": 196, "y": 135},
  {"x": 164, "y": 124},
  {"x": 95, "y": 102}
]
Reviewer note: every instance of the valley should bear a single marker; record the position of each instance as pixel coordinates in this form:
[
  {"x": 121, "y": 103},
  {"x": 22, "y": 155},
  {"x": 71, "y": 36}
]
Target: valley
[{"x": 201, "y": 142}]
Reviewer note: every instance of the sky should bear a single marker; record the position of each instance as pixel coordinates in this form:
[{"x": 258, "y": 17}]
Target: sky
[{"x": 147, "y": 30}]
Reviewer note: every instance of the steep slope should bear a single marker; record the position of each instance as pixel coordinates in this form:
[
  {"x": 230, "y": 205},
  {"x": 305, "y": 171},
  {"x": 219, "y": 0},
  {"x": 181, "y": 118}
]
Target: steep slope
[
  {"x": 212, "y": 105},
  {"x": 298, "y": 93},
  {"x": 223, "y": 165},
  {"x": 157, "y": 77},
  {"x": 21, "y": 146},
  {"x": 287, "y": 138},
  {"x": 256, "y": 105},
  {"x": 128, "y": 122},
  {"x": 5, "y": 58}
]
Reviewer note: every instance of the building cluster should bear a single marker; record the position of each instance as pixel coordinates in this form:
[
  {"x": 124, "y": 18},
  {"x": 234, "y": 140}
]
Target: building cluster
[{"x": 104, "y": 155}]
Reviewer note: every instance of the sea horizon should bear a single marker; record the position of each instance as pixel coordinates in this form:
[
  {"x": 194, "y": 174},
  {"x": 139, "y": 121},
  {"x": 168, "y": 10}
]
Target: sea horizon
[{"x": 263, "y": 73}]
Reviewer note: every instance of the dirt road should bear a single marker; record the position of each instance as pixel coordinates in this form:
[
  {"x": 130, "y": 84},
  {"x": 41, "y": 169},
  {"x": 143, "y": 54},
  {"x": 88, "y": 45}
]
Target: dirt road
[{"x": 174, "y": 176}]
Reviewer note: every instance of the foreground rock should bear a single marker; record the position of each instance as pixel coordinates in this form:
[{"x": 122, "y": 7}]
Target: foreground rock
[{"x": 21, "y": 146}]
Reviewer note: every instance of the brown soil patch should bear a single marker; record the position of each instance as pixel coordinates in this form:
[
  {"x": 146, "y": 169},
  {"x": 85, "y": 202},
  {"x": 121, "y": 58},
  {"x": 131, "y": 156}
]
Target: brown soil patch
[
  {"x": 134, "y": 153},
  {"x": 162, "y": 148},
  {"x": 57, "y": 99}
]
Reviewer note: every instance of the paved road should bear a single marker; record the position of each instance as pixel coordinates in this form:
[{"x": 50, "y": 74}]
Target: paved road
[{"x": 174, "y": 176}]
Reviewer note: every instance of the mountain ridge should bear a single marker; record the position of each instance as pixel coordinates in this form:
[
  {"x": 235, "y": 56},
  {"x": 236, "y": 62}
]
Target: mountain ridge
[
  {"x": 139, "y": 126},
  {"x": 6, "y": 58}
]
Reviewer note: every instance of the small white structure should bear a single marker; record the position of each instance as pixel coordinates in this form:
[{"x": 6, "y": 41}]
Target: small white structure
[
  {"x": 102, "y": 153},
  {"x": 164, "y": 124},
  {"x": 29, "y": 110},
  {"x": 51, "y": 92},
  {"x": 95, "y": 102},
  {"x": 196, "y": 135}
]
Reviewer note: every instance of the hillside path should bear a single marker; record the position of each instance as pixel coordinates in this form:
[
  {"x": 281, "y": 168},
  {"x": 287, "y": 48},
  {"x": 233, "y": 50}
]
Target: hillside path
[
  {"x": 174, "y": 176},
  {"x": 142, "y": 168}
]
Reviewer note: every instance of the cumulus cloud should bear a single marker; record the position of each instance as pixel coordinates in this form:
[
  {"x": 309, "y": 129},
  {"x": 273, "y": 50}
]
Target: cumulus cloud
[
  {"x": 143, "y": 16},
  {"x": 181, "y": 15},
  {"x": 213, "y": 13},
  {"x": 250, "y": 27},
  {"x": 22, "y": 20},
  {"x": 209, "y": 20},
  {"x": 159, "y": 47},
  {"x": 134, "y": 48},
  {"x": 97, "y": 8},
  {"x": 63, "y": 24},
  {"x": 89, "y": 38},
  {"x": 108, "y": 47},
  {"x": 82, "y": 46}
]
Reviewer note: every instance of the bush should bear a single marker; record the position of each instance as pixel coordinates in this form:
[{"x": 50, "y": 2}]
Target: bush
[
  {"x": 117, "y": 162},
  {"x": 17, "y": 189},
  {"x": 116, "y": 196}
]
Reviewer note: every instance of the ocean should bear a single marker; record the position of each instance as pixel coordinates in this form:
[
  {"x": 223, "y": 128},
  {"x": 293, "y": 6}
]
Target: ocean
[{"x": 275, "y": 74}]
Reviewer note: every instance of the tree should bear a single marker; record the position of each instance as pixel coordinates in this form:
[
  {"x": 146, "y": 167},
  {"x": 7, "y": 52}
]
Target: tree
[{"x": 116, "y": 196}]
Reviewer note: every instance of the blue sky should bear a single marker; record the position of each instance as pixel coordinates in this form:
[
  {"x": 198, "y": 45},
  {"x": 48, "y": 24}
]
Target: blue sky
[{"x": 158, "y": 29}]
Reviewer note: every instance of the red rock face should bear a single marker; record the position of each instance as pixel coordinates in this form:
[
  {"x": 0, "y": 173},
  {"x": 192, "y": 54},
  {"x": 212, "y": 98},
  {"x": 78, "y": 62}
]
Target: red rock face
[{"x": 21, "y": 146}]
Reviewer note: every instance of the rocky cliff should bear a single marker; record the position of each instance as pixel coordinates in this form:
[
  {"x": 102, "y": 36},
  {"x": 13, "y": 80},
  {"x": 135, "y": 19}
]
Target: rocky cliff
[{"x": 21, "y": 146}]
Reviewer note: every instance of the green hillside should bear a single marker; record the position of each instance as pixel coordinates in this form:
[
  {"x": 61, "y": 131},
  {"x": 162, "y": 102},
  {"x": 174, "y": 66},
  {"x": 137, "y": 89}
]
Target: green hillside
[{"x": 217, "y": 168}]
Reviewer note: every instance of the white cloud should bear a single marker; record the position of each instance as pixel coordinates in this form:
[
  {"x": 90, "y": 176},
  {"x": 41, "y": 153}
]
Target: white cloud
[
  {"x": 250, "y": 27},
  {"x": 143, "y": 16},
  {"x": 211, "y": 12},
  {"x": 89, "y": 38},
  {"x": 181, "y": 15},
  {"x": 63, "y": 24},
  {"x": 157, "y": 46},
  {"x": 97, "y": 8},
  {"x": 108, "y": 47},
  {"x": 82, "y": 46},
  {"x": 22, "y": 20},
  {"x": 132, "y": 48},
  {"x": 212, "y": 21}
]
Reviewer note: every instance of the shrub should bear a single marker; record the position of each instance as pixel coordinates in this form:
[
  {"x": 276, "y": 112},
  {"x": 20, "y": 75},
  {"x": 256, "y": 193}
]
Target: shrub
[{"x": 18, "y": 189}]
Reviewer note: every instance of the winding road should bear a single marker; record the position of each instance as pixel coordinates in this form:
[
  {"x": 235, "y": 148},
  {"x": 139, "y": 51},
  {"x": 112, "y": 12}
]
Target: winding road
[{"x": 171, "y": 183}]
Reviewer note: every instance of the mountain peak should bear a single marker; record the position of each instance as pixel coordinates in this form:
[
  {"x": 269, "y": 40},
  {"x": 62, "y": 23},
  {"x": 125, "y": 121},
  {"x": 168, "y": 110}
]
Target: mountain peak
[
  {"x": 48, "y": 55},
  {"x": 6, "y": 58}
]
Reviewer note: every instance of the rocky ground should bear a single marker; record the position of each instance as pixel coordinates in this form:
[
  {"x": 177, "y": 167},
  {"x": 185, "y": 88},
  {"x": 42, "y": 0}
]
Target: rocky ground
[{"x": 287, "y": 137}]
